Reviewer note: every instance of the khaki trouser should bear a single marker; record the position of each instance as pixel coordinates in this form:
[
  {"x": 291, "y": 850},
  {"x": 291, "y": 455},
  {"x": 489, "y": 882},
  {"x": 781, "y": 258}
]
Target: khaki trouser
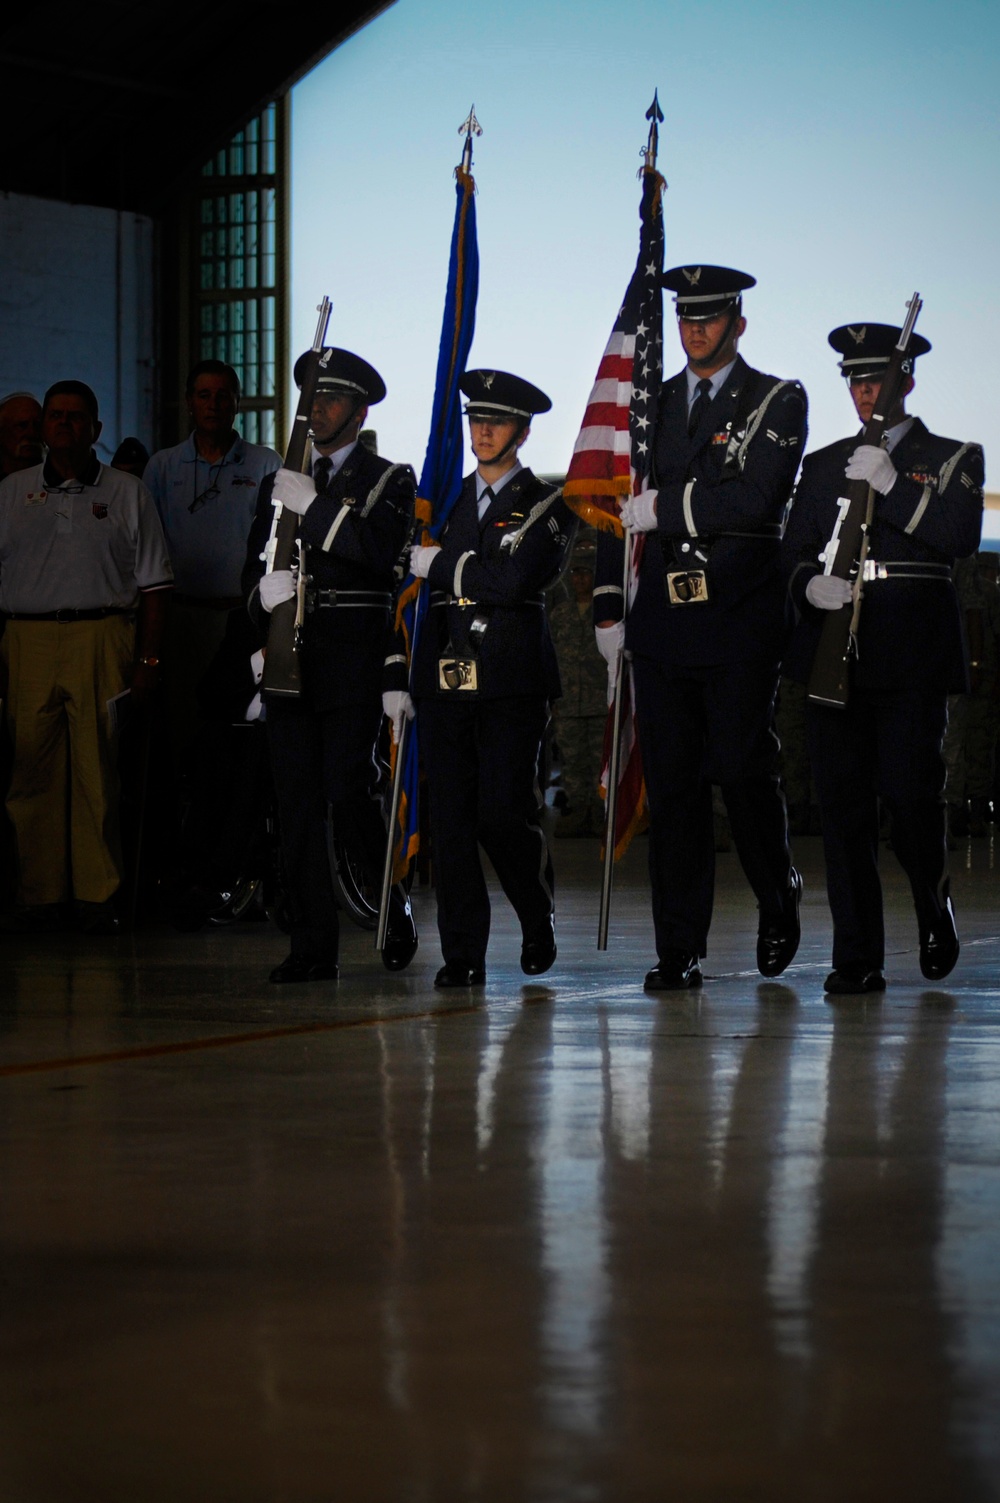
[{"x": 63, "y": 799}]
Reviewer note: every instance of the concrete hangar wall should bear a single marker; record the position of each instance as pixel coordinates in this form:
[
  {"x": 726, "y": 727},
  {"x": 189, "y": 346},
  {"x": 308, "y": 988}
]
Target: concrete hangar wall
[
  {"x": 77, "y": 299},
  {"x": 97, "y": 188}
]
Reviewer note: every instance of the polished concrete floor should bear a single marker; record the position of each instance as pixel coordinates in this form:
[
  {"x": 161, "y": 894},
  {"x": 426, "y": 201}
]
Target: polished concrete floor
[{"x": 558, "y": 1242}]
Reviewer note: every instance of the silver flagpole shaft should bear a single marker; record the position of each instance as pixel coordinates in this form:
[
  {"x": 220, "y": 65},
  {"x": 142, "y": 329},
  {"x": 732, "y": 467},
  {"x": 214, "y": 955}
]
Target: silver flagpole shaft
[
  {"x": 614, "y": 761},
  {"x": 390, "y": 846}
]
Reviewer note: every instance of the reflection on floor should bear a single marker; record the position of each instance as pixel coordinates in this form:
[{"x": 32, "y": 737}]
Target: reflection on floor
[{"x": 562, "y": 1242}]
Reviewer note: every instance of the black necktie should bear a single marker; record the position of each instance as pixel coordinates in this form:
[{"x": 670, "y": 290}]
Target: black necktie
[
  {"x": 701, "y": 401},
  {"x": 321, "y": 473},
  {"x": 488, "y": 497}
]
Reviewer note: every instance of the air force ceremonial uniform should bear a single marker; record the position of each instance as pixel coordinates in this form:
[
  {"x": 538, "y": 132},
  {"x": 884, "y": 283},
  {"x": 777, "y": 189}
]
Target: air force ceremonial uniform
[
  {"x": 705, "y": 632},
  {"x": 323, "y": 743},
  {"x": 501, "y": 547},
  {"x": 886, "y": 743}
]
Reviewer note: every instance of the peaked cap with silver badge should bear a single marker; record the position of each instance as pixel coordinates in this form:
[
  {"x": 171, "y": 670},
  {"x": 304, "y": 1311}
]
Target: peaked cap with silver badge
[
  {"x": 344, "y": 372},
  {"x": 706, "y": 291},
  {"x": 501, "y": 396},
  {"x": 867, "y": 348}
]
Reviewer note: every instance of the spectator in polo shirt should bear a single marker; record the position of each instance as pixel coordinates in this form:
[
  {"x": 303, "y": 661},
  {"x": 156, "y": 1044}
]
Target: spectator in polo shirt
[
  {"x": 20, "y": 432},
  {"x": 84, "y": 581},
  {"x": 205, "y": 491}
]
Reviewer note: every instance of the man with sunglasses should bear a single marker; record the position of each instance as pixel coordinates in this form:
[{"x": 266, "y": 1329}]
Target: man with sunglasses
[
  {"x": 84, "y": 579},
  {"x": 706, "y": 627},
  {"x": 885, "y": 745},
  {"x": 205, "y": 491},
  {"x": 356, "y": 511}
]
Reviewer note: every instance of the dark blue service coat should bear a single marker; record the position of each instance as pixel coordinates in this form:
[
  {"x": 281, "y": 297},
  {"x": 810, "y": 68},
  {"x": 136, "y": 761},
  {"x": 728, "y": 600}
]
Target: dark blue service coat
[
  {"x": 355, "y": 530},
  {"x": 722, "y": 495},
  {"x": 910, "y": 630},
  {"x": 501, "y": 564}
]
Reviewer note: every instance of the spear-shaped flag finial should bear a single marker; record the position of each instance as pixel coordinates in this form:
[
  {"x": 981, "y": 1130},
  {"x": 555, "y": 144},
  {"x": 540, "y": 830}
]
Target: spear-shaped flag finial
[
  {"x": 655, "y": 117},
  {"x": 469, "y": 127}
]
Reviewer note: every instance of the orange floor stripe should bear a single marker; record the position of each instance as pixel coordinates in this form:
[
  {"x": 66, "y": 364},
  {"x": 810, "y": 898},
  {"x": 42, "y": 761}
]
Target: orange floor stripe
[{"x": 227, "y": 1041}]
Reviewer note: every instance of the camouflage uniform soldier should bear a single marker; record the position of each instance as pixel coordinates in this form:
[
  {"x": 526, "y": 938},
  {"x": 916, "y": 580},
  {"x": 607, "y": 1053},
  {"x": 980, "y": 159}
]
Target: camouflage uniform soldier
[{"x": 580, "y": 715}]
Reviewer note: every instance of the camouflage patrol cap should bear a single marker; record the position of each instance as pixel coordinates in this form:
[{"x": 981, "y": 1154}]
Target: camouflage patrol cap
[{"x": 584, "y": 555}]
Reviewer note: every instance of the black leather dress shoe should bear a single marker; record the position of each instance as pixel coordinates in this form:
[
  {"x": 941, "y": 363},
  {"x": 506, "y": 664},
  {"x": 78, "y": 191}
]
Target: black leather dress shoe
[
  {"x": 676, "y": 971},
  {"x": 538, "y": 953},
  {"x": 400, "y": 941},
  {"x": 305, "y": 968},
  {"x": 939, "y": 945},
  {"x": 457, "y": 974},
  {"x": 852, "y": 980},
  {"x": 778, "y": 939}
]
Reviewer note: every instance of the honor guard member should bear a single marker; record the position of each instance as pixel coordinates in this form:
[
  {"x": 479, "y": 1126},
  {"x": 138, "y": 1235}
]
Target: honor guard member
[
  {"x": 84, "y": 580},
  {"x": 484, "y": 674},
  {"x": 886, "y": 743},
  {"x": 706, "y": 628},
  {"x": 356, "y": 512}
]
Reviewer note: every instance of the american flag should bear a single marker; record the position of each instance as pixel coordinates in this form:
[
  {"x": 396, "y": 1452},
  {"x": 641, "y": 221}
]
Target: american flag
[{"x": 612, "y": 456}]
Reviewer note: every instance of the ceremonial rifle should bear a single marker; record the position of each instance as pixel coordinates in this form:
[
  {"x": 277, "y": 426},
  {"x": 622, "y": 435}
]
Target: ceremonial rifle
[
  {"x": 847, "y": 550},
  {"x": 281, "y": 660}
]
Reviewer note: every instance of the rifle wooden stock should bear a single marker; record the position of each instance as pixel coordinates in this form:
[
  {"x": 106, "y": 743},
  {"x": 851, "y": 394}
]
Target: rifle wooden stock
[
  {"x": 281, "y": 660},
  {"x": 830, "y": 679}
]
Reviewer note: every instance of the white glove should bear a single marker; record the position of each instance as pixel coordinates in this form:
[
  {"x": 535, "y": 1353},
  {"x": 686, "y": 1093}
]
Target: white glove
[
  {"x": 421, "y": 559},
  {"x": 610, "y": 640},
  {"x": 828, "y": 593},
  {"x": 275, "y": 587},
  {"x": 639, "y": 512},
  {"x": 868, "y": 462},
  {"x": 395, "y": 704},
  {"x": 294, "y": 490}
]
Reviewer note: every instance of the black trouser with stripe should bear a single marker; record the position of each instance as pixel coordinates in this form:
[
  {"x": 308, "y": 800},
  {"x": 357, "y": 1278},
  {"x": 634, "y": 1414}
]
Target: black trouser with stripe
[
  {"x": 699, "y": 726},
  {"x": 320, "y": 759},
  {"x": 481, "y": 759},
  {"x": 882, "y": 746}
]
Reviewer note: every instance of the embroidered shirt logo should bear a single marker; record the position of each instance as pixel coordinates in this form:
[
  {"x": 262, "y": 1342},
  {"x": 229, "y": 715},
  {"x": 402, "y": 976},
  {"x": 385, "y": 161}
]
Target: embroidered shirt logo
[
  {"x": 35, "y": 498},
  {"x": 100, "y": 510}
]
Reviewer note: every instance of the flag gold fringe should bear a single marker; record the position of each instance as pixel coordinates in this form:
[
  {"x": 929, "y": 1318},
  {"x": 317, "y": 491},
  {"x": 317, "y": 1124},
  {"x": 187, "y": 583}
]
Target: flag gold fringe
[
  {"x": 591, "y": 512},
  {"x": 636, "y": 825}
]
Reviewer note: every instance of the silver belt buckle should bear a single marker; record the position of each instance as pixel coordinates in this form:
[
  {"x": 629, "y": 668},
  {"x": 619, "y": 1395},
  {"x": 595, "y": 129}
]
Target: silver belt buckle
[
  {"x": 458, "y": 675},
  {"x": 687, "y": 587}
]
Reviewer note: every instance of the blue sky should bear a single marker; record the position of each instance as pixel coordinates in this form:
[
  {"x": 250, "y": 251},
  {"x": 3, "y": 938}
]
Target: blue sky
[{"x": 844, "y": 155}]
